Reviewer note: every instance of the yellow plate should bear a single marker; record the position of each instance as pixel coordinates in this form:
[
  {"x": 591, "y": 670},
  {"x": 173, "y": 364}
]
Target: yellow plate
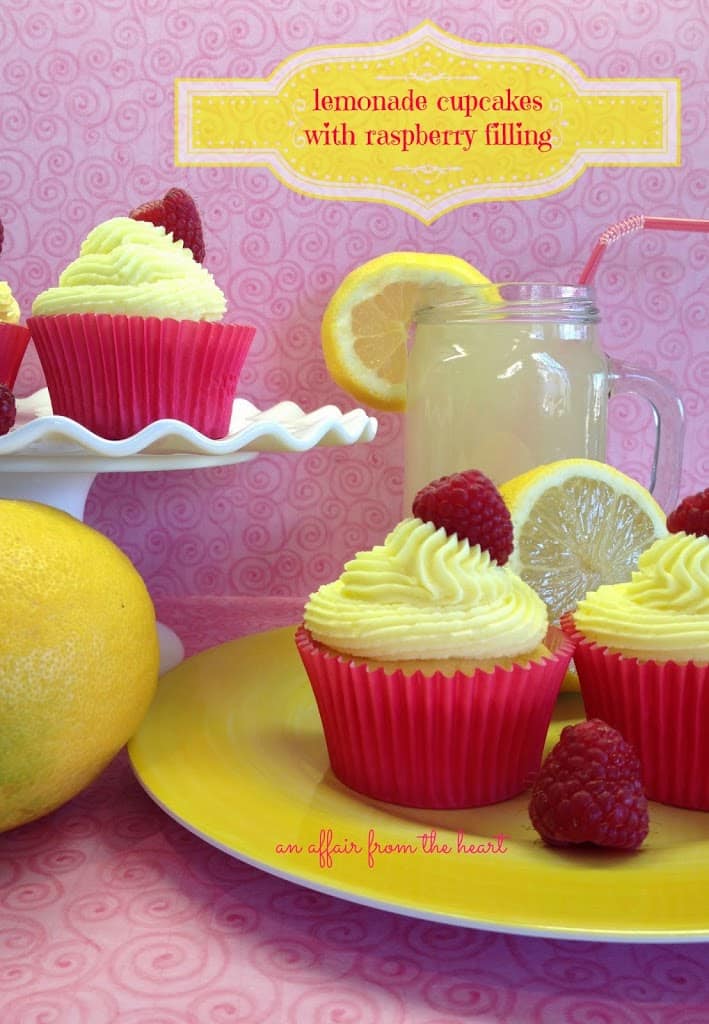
[{"x": 232, "y": 748}]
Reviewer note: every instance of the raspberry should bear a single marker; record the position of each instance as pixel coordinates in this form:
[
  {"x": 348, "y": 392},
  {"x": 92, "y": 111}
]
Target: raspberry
[
  {"x": 469, "y": 505},
  {"x": 176, "y": 212},
  {"x": 7, "y": 409},
  {"x": 589, "y": 790},
  {"x": 691, "y": 515}
]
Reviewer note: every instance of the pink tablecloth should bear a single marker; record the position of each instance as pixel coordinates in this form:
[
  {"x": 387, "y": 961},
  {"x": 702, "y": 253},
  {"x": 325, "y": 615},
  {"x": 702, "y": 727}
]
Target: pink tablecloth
[{"x": 111, "y": 913}]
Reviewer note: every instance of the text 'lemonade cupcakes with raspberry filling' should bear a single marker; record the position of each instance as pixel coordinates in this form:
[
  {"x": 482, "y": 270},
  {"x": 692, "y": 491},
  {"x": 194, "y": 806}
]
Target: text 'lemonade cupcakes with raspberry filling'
[
  {"x": 433, "y": 666},
  {"x": 642, "y": 657},
  {"x": 132, "y": 333}
]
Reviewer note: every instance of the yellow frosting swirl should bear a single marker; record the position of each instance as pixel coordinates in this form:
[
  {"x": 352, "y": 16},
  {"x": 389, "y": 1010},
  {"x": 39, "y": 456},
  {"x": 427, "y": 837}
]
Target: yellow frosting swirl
[
  {"x": 133, "y": 267},
  {"x": 425, "y": 594},
  {"x": 663, "y": 612},
  {"x": 9, "y": 309}
]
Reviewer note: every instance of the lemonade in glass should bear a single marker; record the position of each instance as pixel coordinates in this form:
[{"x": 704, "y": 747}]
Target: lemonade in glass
[{"x": 506, "y": 377}]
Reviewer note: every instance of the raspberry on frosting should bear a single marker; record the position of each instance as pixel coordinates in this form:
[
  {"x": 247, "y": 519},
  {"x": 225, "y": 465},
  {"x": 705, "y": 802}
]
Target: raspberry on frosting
[
  {"x": 589, "y": 790},
  {"x": 691, "y": 515},
  {"x": 178, "y": 214},
  {"x": 469, "y": 505}
]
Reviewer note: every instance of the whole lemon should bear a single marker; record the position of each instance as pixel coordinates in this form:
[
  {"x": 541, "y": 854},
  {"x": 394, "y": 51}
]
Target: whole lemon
[{"x": 79, "y": 657}]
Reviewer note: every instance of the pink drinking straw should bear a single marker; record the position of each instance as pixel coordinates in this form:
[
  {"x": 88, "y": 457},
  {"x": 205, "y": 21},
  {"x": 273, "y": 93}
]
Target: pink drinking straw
[{"x": 628, "y": 227}]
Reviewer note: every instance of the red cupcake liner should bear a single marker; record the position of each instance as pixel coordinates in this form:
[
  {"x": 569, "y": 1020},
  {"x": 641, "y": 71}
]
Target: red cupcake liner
[
  {"x": 14, "y": 339},
  {"x": 435, "y": 741},
  {"x": 661, "y": 708},
  {"x": 116, "y": 374}
]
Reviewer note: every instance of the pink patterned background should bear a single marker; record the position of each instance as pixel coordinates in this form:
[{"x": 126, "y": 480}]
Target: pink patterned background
[
  {"x": 111, "y": 913},
  {"x": 86, "y": 132}
]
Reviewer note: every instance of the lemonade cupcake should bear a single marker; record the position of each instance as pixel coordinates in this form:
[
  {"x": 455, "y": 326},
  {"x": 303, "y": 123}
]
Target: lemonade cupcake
[
  {"x": 14, "y": 336},
  {"x": 132, "y": 332},
  {"x": 433, "y": 665},
  {"x": 642, "y": 655}
]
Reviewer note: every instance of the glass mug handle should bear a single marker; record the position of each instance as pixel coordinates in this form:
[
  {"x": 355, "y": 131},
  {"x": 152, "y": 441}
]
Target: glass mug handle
[{"x": 668, "y": 413}]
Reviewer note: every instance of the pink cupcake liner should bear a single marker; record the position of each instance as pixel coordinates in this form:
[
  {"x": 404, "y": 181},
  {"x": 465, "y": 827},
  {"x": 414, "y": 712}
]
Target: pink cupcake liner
[
  {"x": 434, "y": 741},
  {"x": 14, "y": 339},
  {"x": 116, "y": 374},
  {"x": 661, "y": 708}
]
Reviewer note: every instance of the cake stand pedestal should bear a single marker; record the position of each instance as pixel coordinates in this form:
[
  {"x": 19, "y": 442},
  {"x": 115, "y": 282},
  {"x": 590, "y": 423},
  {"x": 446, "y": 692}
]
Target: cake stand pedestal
[
  {"x": 66, "y": 491},
  {"x": 54, "y": 461}
]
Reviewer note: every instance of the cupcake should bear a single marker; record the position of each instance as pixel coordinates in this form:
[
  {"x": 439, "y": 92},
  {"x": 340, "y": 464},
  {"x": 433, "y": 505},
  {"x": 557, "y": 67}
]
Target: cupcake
[
  {"x": 14, "y": 337},
  {"x": 642, "y": 656},
  {"x": 432, "y": 664},
  {"x": 132, "y": 333}
]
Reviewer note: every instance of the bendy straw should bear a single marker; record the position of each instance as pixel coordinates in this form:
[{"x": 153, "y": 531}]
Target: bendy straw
[{"x": 628, "y": 227}]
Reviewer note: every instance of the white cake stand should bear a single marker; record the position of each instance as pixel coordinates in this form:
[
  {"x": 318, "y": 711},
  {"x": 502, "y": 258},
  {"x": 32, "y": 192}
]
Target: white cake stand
[{"x": 54, "y": 460}]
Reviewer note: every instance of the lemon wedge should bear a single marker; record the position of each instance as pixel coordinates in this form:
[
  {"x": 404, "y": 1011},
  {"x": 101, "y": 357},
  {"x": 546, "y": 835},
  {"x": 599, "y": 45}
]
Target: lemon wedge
[
  {"x": 365, "y": 324},
  {"x": 578, "y": 523}
]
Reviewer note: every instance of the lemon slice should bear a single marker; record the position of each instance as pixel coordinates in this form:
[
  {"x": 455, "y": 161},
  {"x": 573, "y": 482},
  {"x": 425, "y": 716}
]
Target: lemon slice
[
  {"x": 578, "y": 524},
  {"x": 365, "y": 325}
]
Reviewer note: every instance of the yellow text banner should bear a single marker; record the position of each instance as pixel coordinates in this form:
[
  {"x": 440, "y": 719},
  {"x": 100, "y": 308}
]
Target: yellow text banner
[{"x": 427, "y": 122}]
